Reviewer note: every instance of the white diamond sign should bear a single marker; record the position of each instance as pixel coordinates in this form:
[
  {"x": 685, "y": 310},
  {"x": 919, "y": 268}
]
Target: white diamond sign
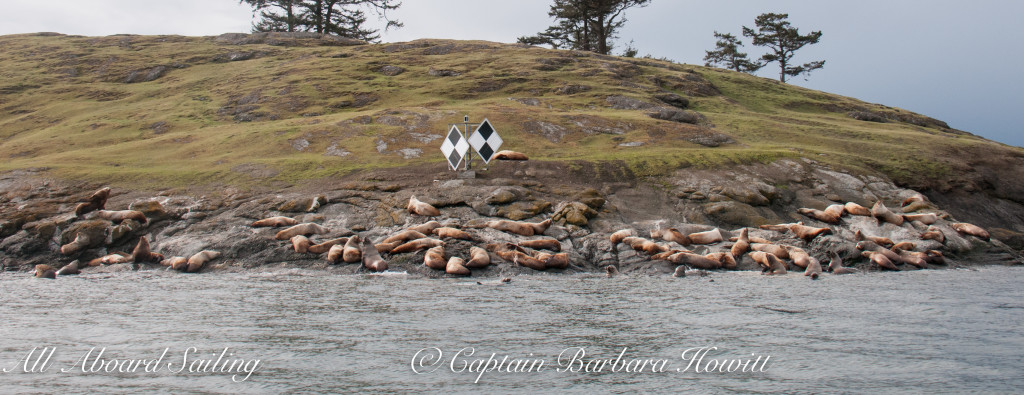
[
  {"x": 485, "y": 141},
  {"x": 454, "y": 147}
]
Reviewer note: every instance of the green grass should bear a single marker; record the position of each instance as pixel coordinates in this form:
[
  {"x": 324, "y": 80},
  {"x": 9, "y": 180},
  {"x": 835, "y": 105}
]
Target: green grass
[{"x": 64, "y": 106}]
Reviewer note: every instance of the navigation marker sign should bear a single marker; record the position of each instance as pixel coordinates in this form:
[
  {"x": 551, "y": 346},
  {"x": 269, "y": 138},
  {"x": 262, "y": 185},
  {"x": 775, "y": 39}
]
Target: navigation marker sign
[
  {"x": 485, "y": 141},
  {"x": 454, "y": 147}
]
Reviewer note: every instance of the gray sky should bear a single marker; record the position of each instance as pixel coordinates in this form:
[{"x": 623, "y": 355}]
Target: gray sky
[{"x": 949, "y": 59}]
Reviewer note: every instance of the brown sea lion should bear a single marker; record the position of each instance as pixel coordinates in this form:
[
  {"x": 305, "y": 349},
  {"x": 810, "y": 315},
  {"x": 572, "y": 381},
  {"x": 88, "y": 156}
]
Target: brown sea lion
[
  {"x": 478, "y": 258},
  {"x": 710, "y": 237},
  {"x": 664, "y": 255},
  {"x": 725, "y": 259},
  {"x": 904, "y": 245},
  {"x": 912, "y": 199},
  {"x": 752, "y": 239},
  {"x": 611, "y": 271},
  {"x": 808, "y": 233},
  {"x": 774, "y": 249},
  {"x": 882, "y": 214},
  {"x": 69, "y": 269},
  {"x": 935, "y": 257},
  {"x": 197, "y": 261},
  {"x": 80, "y": 242},
  {"x": 418, "y": 207},
  {"x": 671, "y": 234},
  {"x": 926, "y": 218},
  {"x": 517, "y": 257},
  {"x": 386, "y": 248},
  {"x": 695, "y": 261},
  {"x": 542, "y": 244},
  {"x": 417, "y": 245},
  {"x": 647, "y": 246},
  {"x": 972, "y": 230},
  {"x": 880, "y": 259},
  {"x": 509, "y": 155},
  {"x": 335, "y": 252},
  {"x": 836, "y": 264},
  {"x": 404, "y": 236},
  {"x": 455, "y": 267},
  {"x": 301, "y": 244},
  {"x": 142, "y": 253},
  {"x": 800, "y": 257},
  {"x": 912, "y": 258},
  {"x": 98, "y": 201},
  {"x": 554, "y": 261},
  {"x": 781, "y": 228},
  {"x": 351, "y": 253},
  {"x": 519, "y": 228},
  {"x": 933, "y": 233},
  {"x": 540, "y": 227},
  {"x": 426, "y": 228},
  {"x": 306, "y": 229},
  {"x": 178, "y": 263},
  {"x": 617, "y": 237},
  {"x": 914, "y": 203},
  {"x": 874, "y": 247},
  {"x": 111, "y": 259},
  {"x": 274, "y": 222},
  {"x": 856, "y": 209},
  {"x": 770, "y": 263},
  {"x": 371, "y": 258},
  {"x": 452, "y": 233},
  {"x": 326, "y": 246},
  {"x": 813, "y": 269},
  {"x": 118, "y": 216},
  {"x": 742, "y": 244},
  {"x": 829, "y": 215},
  {"x": 434, "y": 258},
  {"x": 46, "y": 271},
  {"x": 882, "y": 241}
]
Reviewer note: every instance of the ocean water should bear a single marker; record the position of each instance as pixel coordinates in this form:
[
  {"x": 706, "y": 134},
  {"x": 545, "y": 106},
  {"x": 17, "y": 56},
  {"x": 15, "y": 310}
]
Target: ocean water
[{"x": 944, "y": 331}]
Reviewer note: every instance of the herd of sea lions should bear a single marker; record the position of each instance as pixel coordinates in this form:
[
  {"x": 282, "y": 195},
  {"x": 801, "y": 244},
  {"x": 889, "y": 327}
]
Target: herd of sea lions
[{"x": 546, "y": 253}]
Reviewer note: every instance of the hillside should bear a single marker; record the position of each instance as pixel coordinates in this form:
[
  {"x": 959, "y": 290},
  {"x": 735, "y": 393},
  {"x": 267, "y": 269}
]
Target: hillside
[{"x": 297, "y": 112}]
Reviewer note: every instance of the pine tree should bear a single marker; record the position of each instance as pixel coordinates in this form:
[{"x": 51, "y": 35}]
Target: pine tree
[
  {"x": 345, "y": 18},
  {"x": 775, "y": 32},
  {"x": 588, "y": 25},
  {"x": 727, "y": 54}
]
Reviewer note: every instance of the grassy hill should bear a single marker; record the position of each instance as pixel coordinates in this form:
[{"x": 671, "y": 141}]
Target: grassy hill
[{"x": 245, "y": 110}]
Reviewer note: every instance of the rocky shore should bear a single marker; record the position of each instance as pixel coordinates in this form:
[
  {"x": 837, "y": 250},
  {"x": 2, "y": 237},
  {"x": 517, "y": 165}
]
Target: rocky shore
[{"x": 584, "y": 206}]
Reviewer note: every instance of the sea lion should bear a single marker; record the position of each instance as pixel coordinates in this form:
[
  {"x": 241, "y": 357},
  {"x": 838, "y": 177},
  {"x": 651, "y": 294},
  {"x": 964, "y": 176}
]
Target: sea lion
[
  {"x": 611, "y": 271},
  {"x": 517, "y": 257},
  {"x": 742, "y": 244},
  {"x": 69, "y": 269},
  {"x": 46, "y": 271},
  {"x": 178, "y": 263},
  {"x": 274, "y": 222},
  {"x": 306, "y": 229},
  {"x": 671, "y": 234},
  {"x": 540, "y": 227},
  {"x": 836, "y": 264},
  {"x": 800, "y": 257},
  {"x": 452, "y": 233},
  {"x": 971, "y": 229},
  {"x": 80, "y": 242},
  {"x": 111, "y": 259},
  {"x": 647, "y": 246},
  {"x": 371, "y": 258},
  {"x": 335, "y": 252},
  {"x": 935, "y": 257},
  {"x": 664, "y": 255},
  {"x": 478, "y": 258},
  {"x": 813, "y": 269},
  {"x": 417, "y": 245},
  {"x": 418, "y": 207},
  {"x": 926, "y": 218},
  {"x": 680, "y": 271},
  {"x": 301, "y": 244},
  {"x": 904, "y": 245},
  {"x": 519, "y": 228},
  {"x": 769, "y": 262},
  {"x": 752, "y": 239},
  {"x": 873, "y": 247},
  {"x": 142, "y": 253},
  {"x": 326, "y": 246},
  {"x": 710, "y": 237},
  {"x": 808, "y": 233},
  {"x": 856, "y": 209},
  {"x": 914, "y": 203},
  {"x": 98, "y": 201},
  {"x": 404, "y": 236},
  {"x": 882, "y": 241},
  {"x": 118, "y": 216},
  {"x": 351, "y": 252},
  {"x": 781, "y": 228},
  {"x": 912, "y": 199},
  {"x": 542, "y": 244},
  {"x": 509, "y": 155},
  {"x": 434, "y": 258},
  {"x": 426, "y": 228},
  {"x": 933, "y": 233},
  {"x": 725, "y": 259},
  {"x": 617, "y": 237},
  {"x": 455, "y": 267},
  {"x": 197, "y": 261},
  {"x": 879, "y": 259},
  {"x": 832, "y": 214},
  {"x": 385, "y": 248},
  {"x": 554, "y": 261},
  {"x": 882, "y": 214},
  {"x": 695, "y": 261},
  {"x": 912, "y": 258},
  {"x": 774, "y": 249}
]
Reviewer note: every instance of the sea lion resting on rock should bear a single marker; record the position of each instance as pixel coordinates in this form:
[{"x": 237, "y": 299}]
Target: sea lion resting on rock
[
  {"x": 911, "y": 258},
  {"x": 856, "y": 209},
  {"x": 434, "y": 258},
  {"x": 800, "y": 257},
  {"x": 111, "y": 259},
  {"x": 882, "y": 241},
  {"x": 351, "y": 253},
  {"x": 904, "y": 245},
  {"x": 197, "y": 261},
  {"x": 520, "y": 228},
  {"x": 873, "y": 247},
  {"x": 478, "y": 258},
  {"x": 455, "y": 267},
  {"x": 769, "y": 262},
  {"x": 695, "y": 260},
  {"x": 813, "y": 269},
  {"x": 98, "y": 201},
  {"x": 178, "y": 263},
  {"x": 879, "y": 259},
  {"x": 774, "y": 249},
  {"x": 836, "y": 264},
  {"x": 542, "y": 244},
  {"x": 404, "y": 236},
  {"x": 517, "y": 257},
  {"x": 742, "y": 244},
  {"x": 510, "y": 155},
  {"x": 118, "y": 216},
  {"x": 301, "y": 244},
  {"x": 832, "y": 214},
  {"x": 418, "y": 207},
  {"x": 326, "y": 246},
  {"x": 452, "y": 233},
  {"x": 275, "y": 222},
  {"x": 426, "y": 228},
  {"x": 642, "y": 244},
  {"x": 80, "y": 242},
  {"x": 617, "y": 237},
  {"x": 671, "y": 234},
  {"x": 725, "y": 259},
  {"x": 386, "y": 248},
  {"x": 710, "y": 237},
  {"x": 781, "y": 228},
  {"x": 69, "y": 269},
  {"x": 142, "y": 253},
  {"x": 46, "y": 271},
  {"x": 417, "y": 245},
  {"x": 882, "y": 214},
  {"x": 933, "y": 233},
  {"x": 554, "y": 261},
  {"x": 371, "y": 258},
  {"x": 305, "y": 229},
  {"x": 972, "y": 230},
  {"x": 926, "y": 218},
  {"x": 334, "y": 253},
  {"x": 808, "y": 233}
]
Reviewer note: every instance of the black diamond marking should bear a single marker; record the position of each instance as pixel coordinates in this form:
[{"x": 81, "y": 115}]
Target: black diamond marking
[
  {"x": 485, "y": 130},
  {"x": 454, "y": 158},
  {"x": 454, "y": 137},
  {"x": 486, "y": 151}
]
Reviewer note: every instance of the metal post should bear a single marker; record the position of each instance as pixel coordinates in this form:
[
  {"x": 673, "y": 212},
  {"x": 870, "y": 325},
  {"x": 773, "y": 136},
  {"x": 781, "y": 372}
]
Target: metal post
[{"x": 465, "y": 132}]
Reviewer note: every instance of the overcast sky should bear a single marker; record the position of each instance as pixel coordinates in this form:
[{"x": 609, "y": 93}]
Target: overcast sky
[{"x": 953, "y": 60}]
